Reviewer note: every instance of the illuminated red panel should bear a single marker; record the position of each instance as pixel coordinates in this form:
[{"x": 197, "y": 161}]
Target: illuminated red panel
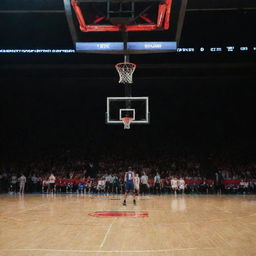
[{"x": 163, "y": 20}]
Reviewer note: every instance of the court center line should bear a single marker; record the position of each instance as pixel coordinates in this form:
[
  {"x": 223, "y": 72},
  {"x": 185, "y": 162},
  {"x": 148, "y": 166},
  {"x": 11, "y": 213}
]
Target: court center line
[{"x": 106, "y": 234}]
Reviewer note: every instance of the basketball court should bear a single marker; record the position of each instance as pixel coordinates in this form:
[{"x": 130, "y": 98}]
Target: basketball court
[{"x": 100, "y": 225}]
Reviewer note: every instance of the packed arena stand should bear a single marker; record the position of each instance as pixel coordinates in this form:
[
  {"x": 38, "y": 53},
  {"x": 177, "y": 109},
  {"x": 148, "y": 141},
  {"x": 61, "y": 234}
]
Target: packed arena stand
[{"x": 180, "y": 174}]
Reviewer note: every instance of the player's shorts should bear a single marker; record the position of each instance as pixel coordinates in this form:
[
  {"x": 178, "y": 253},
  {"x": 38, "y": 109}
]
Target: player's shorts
[
  {"x": 157, "y": 185},
  {"x": 51, "y": 185},
  {"x": 129, "y": 186},
  {"x": 137, "y": 186},
  {"x": 81, "y": 186},
  {"x": 181, "y": 187}
]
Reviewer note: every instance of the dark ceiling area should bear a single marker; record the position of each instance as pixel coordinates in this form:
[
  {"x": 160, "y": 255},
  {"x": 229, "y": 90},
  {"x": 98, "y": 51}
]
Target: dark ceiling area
[
  {"x": 42, "y": 24},
  {"x": 203, "y": 101},
  {"x": 201, "y": 115}
]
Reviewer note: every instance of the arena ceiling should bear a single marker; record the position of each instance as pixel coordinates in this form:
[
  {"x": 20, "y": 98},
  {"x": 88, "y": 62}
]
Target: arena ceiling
[{"x": 213, "y": 14}]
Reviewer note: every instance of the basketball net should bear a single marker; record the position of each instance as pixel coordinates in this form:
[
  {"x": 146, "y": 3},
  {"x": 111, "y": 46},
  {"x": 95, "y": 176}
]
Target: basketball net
[
  {"x": 127, "y": 121},
  {"x": 125, "y": 71}
]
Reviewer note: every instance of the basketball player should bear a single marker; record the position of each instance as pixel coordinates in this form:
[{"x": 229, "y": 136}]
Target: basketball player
[
  {"x": 116, "y": 184},
  {"x": 88, "y": 185},
  {"x": 52, "y": 180},
  {"x": 69, "y": 187},
  {"x": 144, "y": 183},
  {"x": 81, "y": 187},
  {"x": 157, "y": 184},
  {"x": 45, "y": 185},
  {"x": 129, "y": 180},
  {"x": 59, "y": 185},
  {"x": 181, "y": 184},
  {"x": 108, "y": 184},
  {"x": 137, "y": 184},
  {"x": 101, "y": 186},
  {"x": 217, "y": 182},
  {"x": 13, "y": 183},
  {"x": 174, "y": 184},
  {"x": 22, "y": 179}
]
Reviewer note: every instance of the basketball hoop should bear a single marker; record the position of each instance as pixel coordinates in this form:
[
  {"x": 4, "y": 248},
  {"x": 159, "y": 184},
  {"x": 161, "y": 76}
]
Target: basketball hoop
[
  {"x": 125, "y": 71},
  {"x": 127, "y": 121}
]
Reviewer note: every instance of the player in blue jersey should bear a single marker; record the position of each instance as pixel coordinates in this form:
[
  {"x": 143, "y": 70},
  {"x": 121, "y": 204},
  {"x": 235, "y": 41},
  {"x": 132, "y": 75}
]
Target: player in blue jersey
[
  {"x": 129, "y": 178},
  {"x": 81, "y": 187},
  {"x": 69, "y": 187}
]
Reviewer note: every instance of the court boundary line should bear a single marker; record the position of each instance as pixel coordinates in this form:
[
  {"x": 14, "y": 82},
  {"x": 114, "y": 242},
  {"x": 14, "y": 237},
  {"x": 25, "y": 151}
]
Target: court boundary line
[{"x": 102, "y": 251}]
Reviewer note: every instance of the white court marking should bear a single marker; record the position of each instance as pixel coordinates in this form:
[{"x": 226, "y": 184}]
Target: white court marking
[{"x": 99, "y": 251}]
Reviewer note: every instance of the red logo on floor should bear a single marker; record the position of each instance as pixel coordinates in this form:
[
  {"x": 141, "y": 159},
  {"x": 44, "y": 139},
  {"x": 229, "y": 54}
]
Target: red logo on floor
[{"x": 134, "y": 214}]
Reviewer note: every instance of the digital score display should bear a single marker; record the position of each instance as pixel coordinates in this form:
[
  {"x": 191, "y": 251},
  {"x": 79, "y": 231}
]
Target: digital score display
[
  {"x": 136, "y": 47},
  {"x": 132, "y": 47}
]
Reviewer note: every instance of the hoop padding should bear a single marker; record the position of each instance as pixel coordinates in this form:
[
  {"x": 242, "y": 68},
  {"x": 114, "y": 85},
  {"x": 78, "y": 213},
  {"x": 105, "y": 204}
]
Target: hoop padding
[
  {"x": 125, "y": 71},
  {"x": 127, "y": 121}
]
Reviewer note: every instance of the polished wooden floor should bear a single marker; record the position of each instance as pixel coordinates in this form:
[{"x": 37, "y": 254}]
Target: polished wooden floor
[{"x": 189, "y": 225}]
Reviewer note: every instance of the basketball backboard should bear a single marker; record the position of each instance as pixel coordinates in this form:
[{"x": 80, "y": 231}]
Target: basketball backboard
[{"x": 136, "y": 108}]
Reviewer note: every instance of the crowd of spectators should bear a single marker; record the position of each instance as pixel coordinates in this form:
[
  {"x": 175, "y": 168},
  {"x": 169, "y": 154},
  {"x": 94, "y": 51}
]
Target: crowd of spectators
[{"x": 106, "y": 173}]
